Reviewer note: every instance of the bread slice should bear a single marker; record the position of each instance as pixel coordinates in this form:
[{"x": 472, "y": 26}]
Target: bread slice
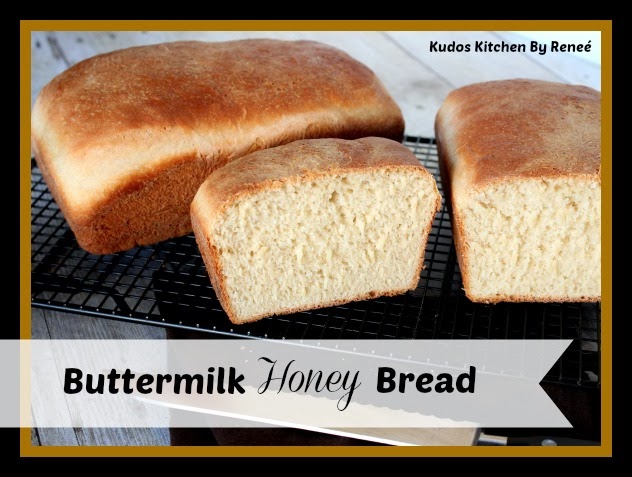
[
  {"x": 521, "y": 166},
  {"x": 314, "y": 223},
  {"x": 125, "y": 139}
]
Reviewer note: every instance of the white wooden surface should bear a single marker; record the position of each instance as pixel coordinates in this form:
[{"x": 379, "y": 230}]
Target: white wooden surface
[{"x": 417, "y": 79}]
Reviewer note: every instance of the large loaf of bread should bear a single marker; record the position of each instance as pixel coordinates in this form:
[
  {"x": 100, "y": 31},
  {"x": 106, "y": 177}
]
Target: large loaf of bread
[
  {"x": 521, "y": 166},
  {"x": 125, "y": 139},
  {"x": 314, "y": 223}
]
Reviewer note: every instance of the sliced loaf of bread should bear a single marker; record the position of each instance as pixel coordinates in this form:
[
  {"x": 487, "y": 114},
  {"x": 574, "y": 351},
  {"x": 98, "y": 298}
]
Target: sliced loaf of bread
[
  {"x": 521, "y": 167},
  {"x": 314, "y": 223}
]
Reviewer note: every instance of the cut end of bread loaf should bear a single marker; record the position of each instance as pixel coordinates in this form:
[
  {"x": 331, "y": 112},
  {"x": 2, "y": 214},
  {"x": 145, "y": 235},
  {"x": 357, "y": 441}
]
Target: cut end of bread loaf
[
  {"x": 521, "y": 165},
  {"x": 532, "y": 240},
  {"x": 324, "y": 241},
  {"x": 315, "y": 223}
]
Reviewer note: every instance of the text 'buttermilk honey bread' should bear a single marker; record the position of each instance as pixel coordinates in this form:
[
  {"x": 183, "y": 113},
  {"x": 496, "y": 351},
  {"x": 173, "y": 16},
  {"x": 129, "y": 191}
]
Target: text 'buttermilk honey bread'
[
  {"x": 521, "y": 166},
  {"x": 314, "y": 223},
  {"x": 125, "y": 139}
]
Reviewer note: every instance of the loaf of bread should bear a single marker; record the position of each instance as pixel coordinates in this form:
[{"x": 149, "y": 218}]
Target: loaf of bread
[
  {"x": 521, "y": 168},
  {"x": 125, "y": 139},
  {"x": 314, "y": 223}
]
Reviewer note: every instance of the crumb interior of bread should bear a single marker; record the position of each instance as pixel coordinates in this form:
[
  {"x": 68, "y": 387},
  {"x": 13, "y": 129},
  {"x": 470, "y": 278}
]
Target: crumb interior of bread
[
  {"x": 534, "y": 238},
  {"x": 310, "y": 243}
]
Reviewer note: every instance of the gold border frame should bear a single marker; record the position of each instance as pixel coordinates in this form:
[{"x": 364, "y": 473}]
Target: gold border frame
[{"x": 605, "y": 26}]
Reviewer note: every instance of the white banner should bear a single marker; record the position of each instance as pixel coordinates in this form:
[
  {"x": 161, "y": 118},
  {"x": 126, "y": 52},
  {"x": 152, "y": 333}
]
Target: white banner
[{"x": 307, "y": 384}]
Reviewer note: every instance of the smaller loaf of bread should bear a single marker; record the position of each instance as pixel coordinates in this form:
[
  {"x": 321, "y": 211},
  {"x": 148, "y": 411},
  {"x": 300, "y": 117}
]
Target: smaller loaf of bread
[
  {"x": 521, "y": 166},
  {"x": 314, "y": 223},
  {"x": 125, "y": 139}
]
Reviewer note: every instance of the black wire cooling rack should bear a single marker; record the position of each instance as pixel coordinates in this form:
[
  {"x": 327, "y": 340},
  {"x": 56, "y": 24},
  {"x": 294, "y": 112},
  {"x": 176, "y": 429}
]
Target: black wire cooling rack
[{"x": 167, "y": 285}]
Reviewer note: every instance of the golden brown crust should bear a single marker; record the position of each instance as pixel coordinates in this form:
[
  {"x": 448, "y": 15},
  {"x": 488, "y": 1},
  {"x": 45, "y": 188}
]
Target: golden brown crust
[
  {"x": 111, "y": 124},
  {"x": 300, "y": 161},
  {"x": 519, "y": 128},
  {"x": 514, "y": 130},
  {"x": 528, "y": 298},
  {"x": 289, "y": 311},
  {"x": 211, "y": 261}
]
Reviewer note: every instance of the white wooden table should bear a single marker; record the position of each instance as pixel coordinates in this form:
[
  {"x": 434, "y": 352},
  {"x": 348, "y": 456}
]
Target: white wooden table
[{"x": 418, "y": 80}]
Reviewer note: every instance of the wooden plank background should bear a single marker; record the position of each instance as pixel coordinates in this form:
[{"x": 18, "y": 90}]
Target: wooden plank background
[{"x": 417, "y": 79}]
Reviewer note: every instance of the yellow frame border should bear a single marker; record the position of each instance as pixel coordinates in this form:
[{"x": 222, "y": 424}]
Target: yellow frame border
[{"x": 605, "y": 26}]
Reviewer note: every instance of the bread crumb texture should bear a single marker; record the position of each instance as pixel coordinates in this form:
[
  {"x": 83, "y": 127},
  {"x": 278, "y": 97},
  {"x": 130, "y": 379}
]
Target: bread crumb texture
[
  {"x": 325, "y": 240},
  {"x": 521, "y": 162},
  {"x": 534, "y": 238}
]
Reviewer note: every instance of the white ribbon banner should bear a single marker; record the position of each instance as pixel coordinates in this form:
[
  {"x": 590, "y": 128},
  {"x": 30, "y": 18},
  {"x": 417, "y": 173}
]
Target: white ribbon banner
[{"x": 308, "y": 384}]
